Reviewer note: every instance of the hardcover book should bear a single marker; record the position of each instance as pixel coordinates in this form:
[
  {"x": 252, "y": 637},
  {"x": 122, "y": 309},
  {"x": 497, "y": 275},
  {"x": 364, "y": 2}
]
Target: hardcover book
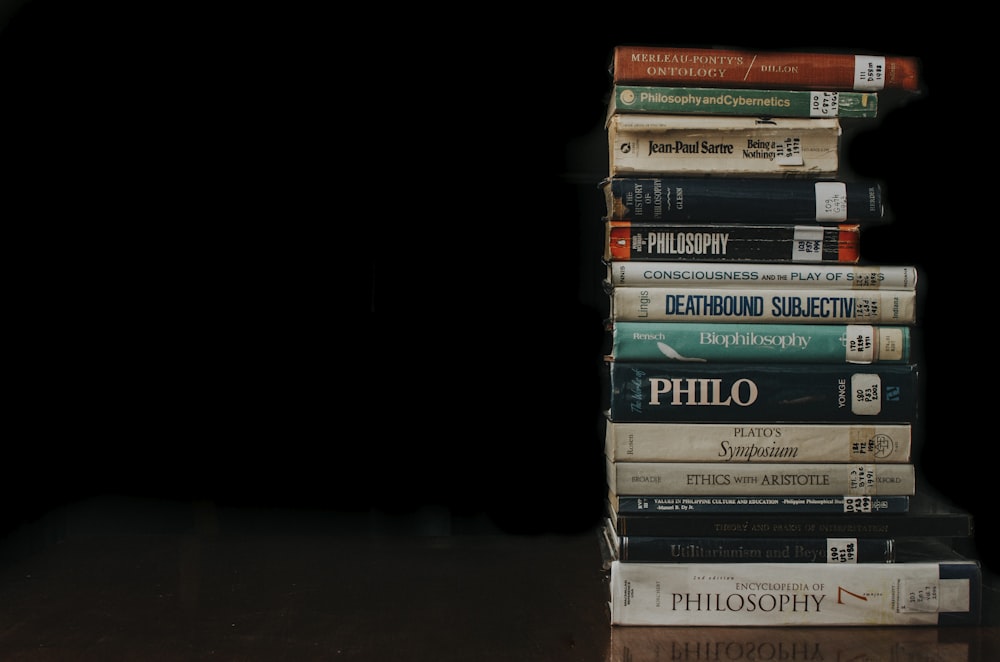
[
  {"x": 748, "y": 68},
  {"x": 751, "y": 342},
  {"x": 652, "y": 273},
  {"x": 746, "y": 101},
  {"x": 676, "y": 392},
  {"x": 742, "y": 200},
  {"x": 763, "y": 442},
  {"x": 732, "y": 242},
  {"x": 763, "y": 305},
  {"x": 945, "y": 592},
  {"x": 761, "y": 478},
  {"x": 929, "y": 515},
  {"x": 709, "y": 549},
  {"x": 635, "y": 504},
  {"x": 723, "y": 146}
]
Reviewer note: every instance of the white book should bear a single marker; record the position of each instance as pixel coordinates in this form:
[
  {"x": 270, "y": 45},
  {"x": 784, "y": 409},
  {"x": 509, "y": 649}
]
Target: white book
[
  {"x": 723, "y": 145},
  {"x": 763, "y": 305},
  {"x": 945, "y": 592},
  {"x": 761, "y": 478},
  {"x": 645, "y": 273},
  {"x": 761, "y": 442}
]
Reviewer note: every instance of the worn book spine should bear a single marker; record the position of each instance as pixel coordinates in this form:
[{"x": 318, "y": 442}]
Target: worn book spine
[
  {"x": 710, "y": 549},
  {"x": 763, "y": 305},
  {"x": 731, "y": 242},
  {"x": 929, "y": 593},
  {"x": 747, "y": 68},
  {"x": 653, "y": 273},
  {"x": 743, "y": 200},
  {"x": 737, "y": 101},
  {"x": 761, "y": 478},
  {"x": 750, "y": 342},
  {"x": 635, "y": 504},
  {"x": 766, "y": 442},
  {"x": 652, "y": 392},
  {"x": 723, "y": 146}
]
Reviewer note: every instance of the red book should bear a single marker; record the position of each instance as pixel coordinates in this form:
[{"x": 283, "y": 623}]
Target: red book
[
  {"x": 732, "y": 242},
  {"x": 712, "y": 67}
]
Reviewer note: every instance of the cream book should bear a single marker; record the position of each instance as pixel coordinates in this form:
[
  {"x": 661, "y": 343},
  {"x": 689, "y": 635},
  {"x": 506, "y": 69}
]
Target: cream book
[
  {"x": 723, "y": 146},
  {"x": 931, "y": 592}
]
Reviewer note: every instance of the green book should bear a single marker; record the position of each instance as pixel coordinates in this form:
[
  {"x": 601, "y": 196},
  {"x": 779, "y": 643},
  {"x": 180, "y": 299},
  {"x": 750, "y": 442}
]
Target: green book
[
  {"x": 754, "y": 102},
  {"x": 764, "y": 343}
]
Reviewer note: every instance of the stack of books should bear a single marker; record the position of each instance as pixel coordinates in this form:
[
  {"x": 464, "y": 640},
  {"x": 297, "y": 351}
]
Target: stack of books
[{"x": 763, "y": 380}]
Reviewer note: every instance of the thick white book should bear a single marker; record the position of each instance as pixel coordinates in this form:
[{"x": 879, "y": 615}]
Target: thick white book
[
  {"x": 723, "y": 145},
  {"x": 933, "y": 592},
  {"x": 761, "y": 478},
  {"x": 762, "y": 442},
  {"x": 642, "y": 273},
  {"x": 763, "y": 305}
]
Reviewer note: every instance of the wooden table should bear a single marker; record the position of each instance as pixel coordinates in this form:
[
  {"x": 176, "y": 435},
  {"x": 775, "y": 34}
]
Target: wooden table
[{"x": 198, "y": 583}]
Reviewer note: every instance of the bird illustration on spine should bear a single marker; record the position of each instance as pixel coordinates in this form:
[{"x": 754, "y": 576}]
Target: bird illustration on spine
[{"x": 672, "y": 353}]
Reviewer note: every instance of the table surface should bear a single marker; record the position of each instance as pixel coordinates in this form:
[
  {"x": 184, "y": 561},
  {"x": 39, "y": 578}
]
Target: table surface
[{"x": 274, "y": 585}]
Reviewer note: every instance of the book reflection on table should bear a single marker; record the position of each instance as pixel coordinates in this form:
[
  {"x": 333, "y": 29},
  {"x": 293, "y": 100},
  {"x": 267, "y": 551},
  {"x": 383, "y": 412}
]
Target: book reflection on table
[{"x": 690, "y": 644}]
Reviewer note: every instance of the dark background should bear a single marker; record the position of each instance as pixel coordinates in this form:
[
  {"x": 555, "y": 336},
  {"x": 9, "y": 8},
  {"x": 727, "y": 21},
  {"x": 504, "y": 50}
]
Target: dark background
[{"x": 290, "y": 258}]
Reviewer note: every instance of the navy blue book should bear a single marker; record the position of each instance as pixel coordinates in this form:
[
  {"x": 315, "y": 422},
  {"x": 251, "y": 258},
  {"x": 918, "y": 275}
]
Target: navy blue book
[
  {"x": 712, "y": 392},
  {"x": 711, "y": 549},
  {"x": 923, "y": 520},
  {"x": 742, "y": 200},
  {"x": 640, "y": 504}
]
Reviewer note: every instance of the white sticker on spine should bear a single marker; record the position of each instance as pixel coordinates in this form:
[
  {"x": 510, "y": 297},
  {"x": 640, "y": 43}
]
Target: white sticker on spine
[
  {"x": 841, "y": 550},
  {"x": 807, "y": 243},
  {"x": 890, "y": 344},
  {"x": 866, "y": 394},
  {"x": 788, "y": 152},
  {"x": 824, "y": 104},
  {"x": 919, "y": 596},
  {"x": 859, "y": 343},
  {"x": 862, "y": 479},
  {"x": 857, "y": 504},
  {"x": 869, "y": 73},
  {"x": 831, "y": 201}
]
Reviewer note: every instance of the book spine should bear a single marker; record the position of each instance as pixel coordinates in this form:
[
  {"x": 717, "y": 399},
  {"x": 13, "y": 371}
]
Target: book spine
[
  {"x": 709, "y": 549},
  {"x": 719, "y": 242},
  {"x": 790, "y": 594},
  {"x": 774, "y": 306},
  {"x": 711, "y": 67},
  {"x": 770, "y": 442},
  {"x": 772, "y": 478},
  {"x": 653, "y": 392},
  {"x": 760, "y": 200},
  {"x": 723, "y": 146},
  {"x": 735, "y": 101},
  {"x": 747, "y": 343},
  {"x": 757, "y": 525},
  {"x": 655, "y": 273},
  {"x": 628, "y": 504}
]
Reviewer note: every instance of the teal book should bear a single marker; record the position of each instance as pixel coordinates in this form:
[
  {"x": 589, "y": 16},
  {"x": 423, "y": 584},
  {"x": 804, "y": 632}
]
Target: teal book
[
  {"x": 680, "y": 392},
  {"x": 765, "y": 343}
]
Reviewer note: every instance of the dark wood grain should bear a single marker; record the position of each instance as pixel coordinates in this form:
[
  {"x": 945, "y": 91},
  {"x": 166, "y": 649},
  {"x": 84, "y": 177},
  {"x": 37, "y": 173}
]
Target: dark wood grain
[{"x": 123, "y": 580}]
